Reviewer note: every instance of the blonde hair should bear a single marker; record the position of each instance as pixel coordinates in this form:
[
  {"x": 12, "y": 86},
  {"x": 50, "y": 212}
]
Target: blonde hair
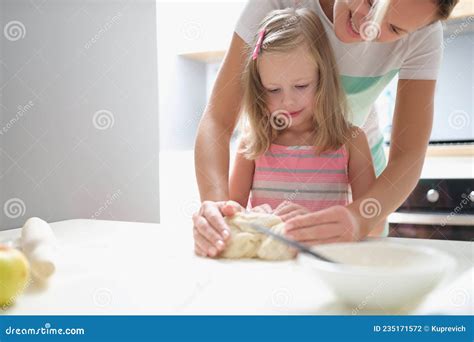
[{"x": 284, "y": 31}]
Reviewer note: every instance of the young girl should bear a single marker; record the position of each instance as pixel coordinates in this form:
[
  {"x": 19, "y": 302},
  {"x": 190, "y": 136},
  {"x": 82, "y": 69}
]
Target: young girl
[{"x": 299, "y": 153}]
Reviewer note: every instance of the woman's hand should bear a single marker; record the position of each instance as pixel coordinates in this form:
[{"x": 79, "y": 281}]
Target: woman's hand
[
  {"x": 334, "y": 224},
  {"x": 209, "y": 228},
  {"x": 288, "y": 210}
]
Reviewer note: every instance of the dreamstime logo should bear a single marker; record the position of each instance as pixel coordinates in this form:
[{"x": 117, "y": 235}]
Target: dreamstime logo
[
  {"x": 280, "y": 120},
  {"x": 12, "y": 300},
  {"x": 465, "y": 23},
  {"x": 367, "y": 300},
  {"x": 104, "y": 28},
  {"x": 466, "y": 199},
  {"x": 281, "y": 297},
  {"x": 199, "y": 287},
  {"x": 459, "y": 297},
  {"x": 103, "y": 119},
  {"x": 22, "y": 110},
  {"x": 109, "y": 201},
  {"x": 369, "y": 30},
  {"x": 371, "y": 121},
  {"x": 370, "y": 208},
  {"x": 190, "y": 207},
  {"x": 14, "y": 30},
  {"x": 291, "y": 196},
  {"x": 102, "y": 297},
  {"x": 14, "y": 208},
  {"x": 192, "y": 30},
  {"x": 459, "y": 119}
]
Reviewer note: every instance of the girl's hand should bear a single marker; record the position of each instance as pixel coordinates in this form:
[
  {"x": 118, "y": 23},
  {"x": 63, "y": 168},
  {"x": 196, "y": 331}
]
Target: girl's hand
[
  {"x": 334, "y": 224},
  {"x": 209, "y": 228},
  {"x": 288, "y": 210}
]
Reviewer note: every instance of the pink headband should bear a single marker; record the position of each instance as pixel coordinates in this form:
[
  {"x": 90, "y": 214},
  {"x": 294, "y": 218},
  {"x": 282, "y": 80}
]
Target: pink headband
[{"x": 256, "y": 51}]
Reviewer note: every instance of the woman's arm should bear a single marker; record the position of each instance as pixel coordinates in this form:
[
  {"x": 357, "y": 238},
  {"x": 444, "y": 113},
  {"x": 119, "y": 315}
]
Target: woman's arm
[
  {"x": 241, "y": 178},
  {"x": 412, "y": 124},
  {"x": 361, "y": 171},
  {"x": 211, "y": 152}
]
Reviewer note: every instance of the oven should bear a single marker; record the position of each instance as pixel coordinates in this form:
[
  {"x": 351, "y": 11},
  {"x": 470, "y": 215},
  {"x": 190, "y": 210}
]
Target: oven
[{"x": 437, "y": 209}]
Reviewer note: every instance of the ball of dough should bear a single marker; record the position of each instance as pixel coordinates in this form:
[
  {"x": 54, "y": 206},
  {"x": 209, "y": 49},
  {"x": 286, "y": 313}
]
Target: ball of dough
[
  {"x": 272, "y": 249},
  {"x": 245, "y": 242}
]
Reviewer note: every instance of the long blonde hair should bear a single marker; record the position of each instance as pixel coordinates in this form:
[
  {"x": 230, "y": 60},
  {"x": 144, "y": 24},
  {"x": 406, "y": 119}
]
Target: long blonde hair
[{"x": 284, "y": 30}]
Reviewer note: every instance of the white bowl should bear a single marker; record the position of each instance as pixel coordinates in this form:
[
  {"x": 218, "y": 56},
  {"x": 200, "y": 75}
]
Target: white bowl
[{"x": 380, "y": 275}]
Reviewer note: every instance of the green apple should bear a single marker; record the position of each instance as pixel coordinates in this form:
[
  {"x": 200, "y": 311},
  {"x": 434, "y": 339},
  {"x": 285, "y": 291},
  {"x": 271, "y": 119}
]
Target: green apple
[{"x": 14, "y": 274}]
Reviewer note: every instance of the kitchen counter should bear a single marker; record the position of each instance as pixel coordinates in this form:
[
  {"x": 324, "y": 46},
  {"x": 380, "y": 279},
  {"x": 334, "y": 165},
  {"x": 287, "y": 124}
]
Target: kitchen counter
[{"x": 110, "y": 267}]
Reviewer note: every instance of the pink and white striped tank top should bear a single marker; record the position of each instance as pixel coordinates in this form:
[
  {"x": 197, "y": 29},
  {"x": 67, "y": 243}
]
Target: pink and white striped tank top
[{"x": 297, "y": 174}]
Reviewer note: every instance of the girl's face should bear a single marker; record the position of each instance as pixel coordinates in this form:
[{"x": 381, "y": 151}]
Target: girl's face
[
  {"x": 290, "y": 82},
  {"x": 352, "y": 22}
]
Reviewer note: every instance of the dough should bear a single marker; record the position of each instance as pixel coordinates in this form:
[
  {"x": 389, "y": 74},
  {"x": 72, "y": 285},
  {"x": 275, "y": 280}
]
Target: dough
[{"x": 245, "y": 242}]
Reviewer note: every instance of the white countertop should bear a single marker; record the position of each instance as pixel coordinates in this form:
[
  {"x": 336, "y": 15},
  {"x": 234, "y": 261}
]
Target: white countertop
[{"x": 109, "y": 267}]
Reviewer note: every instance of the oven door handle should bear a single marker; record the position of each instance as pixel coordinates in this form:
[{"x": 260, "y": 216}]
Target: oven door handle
[{"x": 451, "y": 219}]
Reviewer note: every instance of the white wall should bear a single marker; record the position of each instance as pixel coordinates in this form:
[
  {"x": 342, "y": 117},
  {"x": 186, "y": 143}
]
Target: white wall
[
  {"x": 454, "y": 106},
  {"x": 184, "y": 27},
  {"x": 79, "y": 133}
]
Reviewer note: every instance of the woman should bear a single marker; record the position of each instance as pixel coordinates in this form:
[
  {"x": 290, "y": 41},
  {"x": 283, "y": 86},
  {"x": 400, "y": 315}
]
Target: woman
[{"x": 407, "y": 40}]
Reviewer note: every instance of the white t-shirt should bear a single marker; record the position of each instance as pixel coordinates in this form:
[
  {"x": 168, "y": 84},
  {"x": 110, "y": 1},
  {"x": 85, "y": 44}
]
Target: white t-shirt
[{"x": 365, "y": 67}]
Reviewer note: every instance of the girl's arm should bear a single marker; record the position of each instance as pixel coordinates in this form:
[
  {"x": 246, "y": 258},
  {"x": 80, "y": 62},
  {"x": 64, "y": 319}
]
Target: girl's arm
[
  {"x": 362, "y": 173},
  {"x": 241, "y": 178}
]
